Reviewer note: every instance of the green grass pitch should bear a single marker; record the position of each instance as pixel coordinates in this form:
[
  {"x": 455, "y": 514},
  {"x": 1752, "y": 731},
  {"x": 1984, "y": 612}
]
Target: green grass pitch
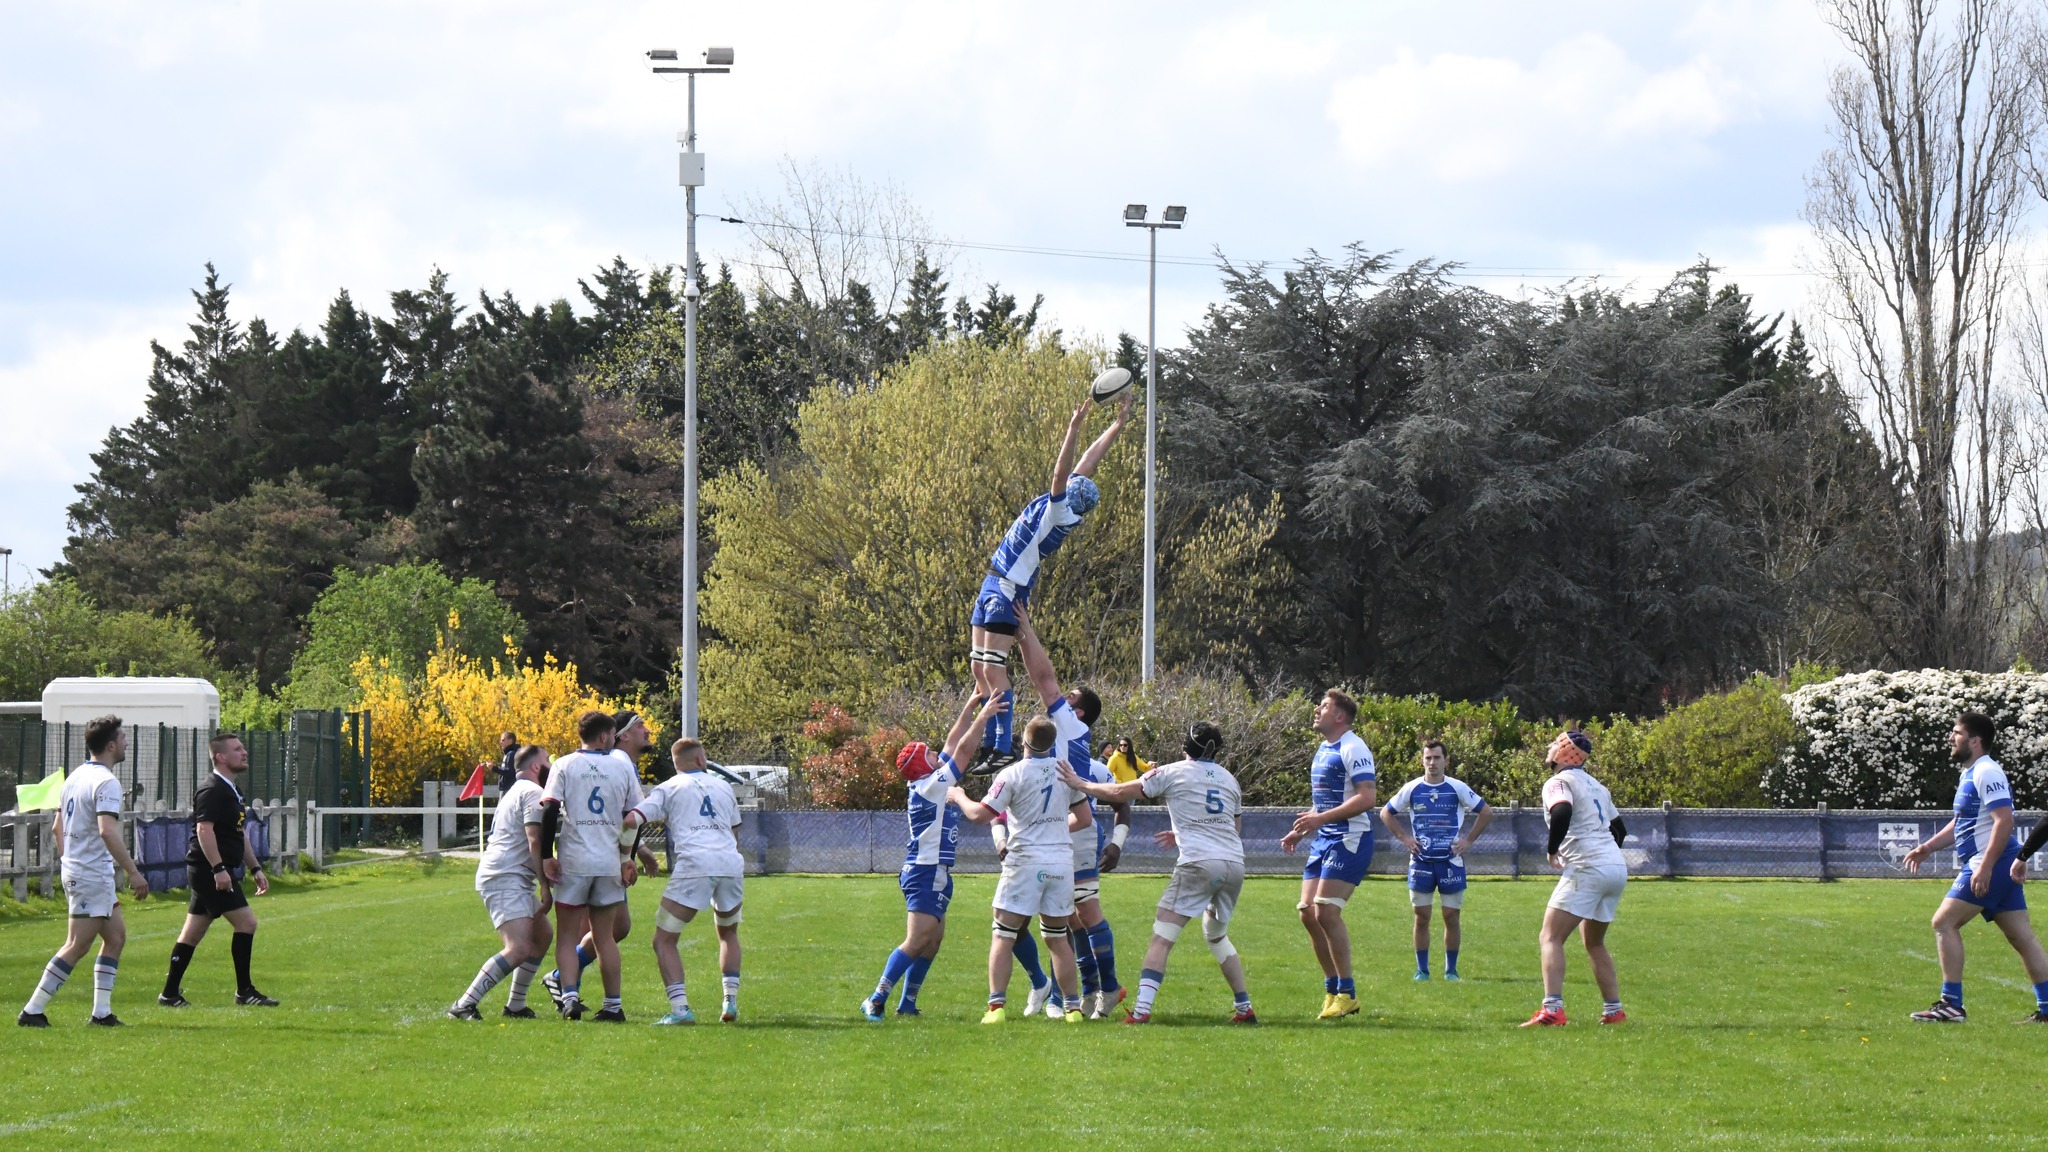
[{"x": 1763, "y": 1015}]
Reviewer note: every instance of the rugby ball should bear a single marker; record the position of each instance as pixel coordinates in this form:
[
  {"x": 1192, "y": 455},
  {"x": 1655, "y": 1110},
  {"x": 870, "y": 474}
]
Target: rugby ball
[{"x": 1113, "y": 383}]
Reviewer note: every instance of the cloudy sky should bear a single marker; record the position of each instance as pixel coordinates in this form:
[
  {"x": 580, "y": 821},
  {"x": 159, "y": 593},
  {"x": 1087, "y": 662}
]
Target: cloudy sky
[{"x": 308, "y": 147}]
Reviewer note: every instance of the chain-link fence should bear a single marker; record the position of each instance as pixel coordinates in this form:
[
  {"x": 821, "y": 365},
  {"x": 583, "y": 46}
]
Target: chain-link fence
[{"x": 1812, "y": 844}]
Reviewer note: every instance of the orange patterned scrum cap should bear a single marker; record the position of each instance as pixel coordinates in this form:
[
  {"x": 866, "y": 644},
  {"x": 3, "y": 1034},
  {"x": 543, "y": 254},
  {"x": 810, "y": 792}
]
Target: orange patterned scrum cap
[{"x": 1570, "y": 749}]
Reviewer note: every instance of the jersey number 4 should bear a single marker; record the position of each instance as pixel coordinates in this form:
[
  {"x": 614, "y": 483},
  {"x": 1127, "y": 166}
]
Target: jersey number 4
[{"x": 705, "y": 809}]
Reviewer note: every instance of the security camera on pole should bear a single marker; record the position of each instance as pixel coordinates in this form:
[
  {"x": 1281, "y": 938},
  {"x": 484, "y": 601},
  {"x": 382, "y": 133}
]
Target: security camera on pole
[
  {"x": 691, "y": 176},
  {"x": 1134, "y": 217}
]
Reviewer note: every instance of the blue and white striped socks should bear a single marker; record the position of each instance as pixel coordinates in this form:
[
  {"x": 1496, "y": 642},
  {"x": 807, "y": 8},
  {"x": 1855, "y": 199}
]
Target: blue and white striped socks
[
  {"x": 55, "y": 973},
  {"x": 487, "y": 977},
  {"x": 103, "y": 971}
]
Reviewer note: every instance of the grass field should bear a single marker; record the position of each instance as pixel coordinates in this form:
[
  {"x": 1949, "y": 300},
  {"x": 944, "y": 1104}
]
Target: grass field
[{"x": 1763, "y": 1015}]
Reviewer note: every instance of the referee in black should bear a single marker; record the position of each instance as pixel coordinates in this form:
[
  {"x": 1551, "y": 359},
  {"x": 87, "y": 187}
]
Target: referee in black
[{"x": 213, "y": 865}]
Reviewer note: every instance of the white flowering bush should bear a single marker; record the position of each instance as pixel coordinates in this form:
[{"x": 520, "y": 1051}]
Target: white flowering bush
[{"x": 1880, "y": 739}]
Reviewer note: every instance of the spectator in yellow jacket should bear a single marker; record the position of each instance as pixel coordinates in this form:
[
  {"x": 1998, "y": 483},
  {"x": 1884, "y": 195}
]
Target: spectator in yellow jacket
[{"x": 1124, "y": 764}]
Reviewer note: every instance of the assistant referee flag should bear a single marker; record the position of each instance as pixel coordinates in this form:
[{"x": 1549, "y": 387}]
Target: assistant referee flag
[
  {"x": 40, "y": 796},
  {"x": 473, "y": 790}
]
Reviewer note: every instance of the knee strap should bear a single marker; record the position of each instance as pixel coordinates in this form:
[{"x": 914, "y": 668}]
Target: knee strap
[
  {"x": 667, "y": 922},
  {"x": 1165, "y": 931},
  {"x": 1005, "y": 931},
  {"x": 1052, "y": 933},
  {"x": 988, "y": 656},
  {"x": 1332, "y": 901},
  {"x": 1222, "y": 949},
  {"x": 725, "y": 919},
  {"x": 1302, "y": 906}
]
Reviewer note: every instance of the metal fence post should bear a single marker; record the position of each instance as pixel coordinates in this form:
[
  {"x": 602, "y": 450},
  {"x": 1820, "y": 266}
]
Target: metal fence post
[
  {"x": 1820, "y": 824},
  {"x": 21, "y": 856},
  {"x": 1670, "y": 866},
  {"x": 1515, "y": 839}
]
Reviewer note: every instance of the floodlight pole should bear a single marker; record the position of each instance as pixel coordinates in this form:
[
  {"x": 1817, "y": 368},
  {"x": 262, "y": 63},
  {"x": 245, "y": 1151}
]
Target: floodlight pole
[
  {"x": 691, "y": 176},
  {"x": 1134, "y": 217}
]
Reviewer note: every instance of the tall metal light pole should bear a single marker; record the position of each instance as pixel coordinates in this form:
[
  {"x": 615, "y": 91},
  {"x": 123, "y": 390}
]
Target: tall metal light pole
[
  {"x": 1134, "y": 217},
  {"x": 6, "y": 571},
  {"x": 690, "y": 168}
]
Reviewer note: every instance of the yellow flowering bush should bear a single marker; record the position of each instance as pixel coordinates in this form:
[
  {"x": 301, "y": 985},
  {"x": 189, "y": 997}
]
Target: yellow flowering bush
[{"x": 440, "y": 724}]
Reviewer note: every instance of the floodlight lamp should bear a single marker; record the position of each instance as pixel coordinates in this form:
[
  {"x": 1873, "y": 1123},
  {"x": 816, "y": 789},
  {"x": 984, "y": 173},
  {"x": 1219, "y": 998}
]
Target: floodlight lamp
[
  {"x": 661, "y": 54},
  {"x": 718, "y": 57},
  {"x": 1175, "y": 213},
  {"x": 1134, "y": 212}
]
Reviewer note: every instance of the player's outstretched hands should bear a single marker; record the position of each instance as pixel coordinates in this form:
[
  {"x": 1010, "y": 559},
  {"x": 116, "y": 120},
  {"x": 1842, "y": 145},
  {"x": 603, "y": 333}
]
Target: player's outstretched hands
[
  {"x": 1166, "y": 839},
  {"x": 138, "y": 884},
  {"x": 1123, "y": 410}
]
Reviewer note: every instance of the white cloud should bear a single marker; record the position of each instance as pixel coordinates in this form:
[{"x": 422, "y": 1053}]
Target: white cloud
[{"x": 1464, "y": 119}]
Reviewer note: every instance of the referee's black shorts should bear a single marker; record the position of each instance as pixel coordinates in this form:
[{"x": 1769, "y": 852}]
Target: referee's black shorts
[{"x": 210, "y": 901}]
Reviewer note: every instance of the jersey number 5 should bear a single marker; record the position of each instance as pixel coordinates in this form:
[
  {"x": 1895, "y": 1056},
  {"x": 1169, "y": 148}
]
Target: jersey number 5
[{"x": 1215, "y": 800}]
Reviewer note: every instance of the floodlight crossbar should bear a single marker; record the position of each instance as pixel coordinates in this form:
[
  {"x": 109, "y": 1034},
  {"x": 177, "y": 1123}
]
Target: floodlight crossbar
[{"x": 692, "y": 71}]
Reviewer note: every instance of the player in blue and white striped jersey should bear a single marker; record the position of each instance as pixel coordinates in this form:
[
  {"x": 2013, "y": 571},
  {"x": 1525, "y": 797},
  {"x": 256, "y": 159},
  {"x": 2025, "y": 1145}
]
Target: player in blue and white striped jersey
[
  {"x": 1428, "y": 817},
  {"x": 927, "y": 876},
  {"x": 1342, "y": 790},
  {"x": 1033, "y": 537},
  {"x": 1989, "y": 872}
]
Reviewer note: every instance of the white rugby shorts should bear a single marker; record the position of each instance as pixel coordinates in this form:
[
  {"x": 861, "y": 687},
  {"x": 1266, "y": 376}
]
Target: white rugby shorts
[
  {"x": 1204, "y": 886},
  {"x": 509, "y": 899},
  {"x": 590, "y": 891},
  {"x": 718, "y": 893},
  {"x": 1590, "y": 892},
  {"x": 89, "y": 891},
  {"x": 1035, "y": 890}
]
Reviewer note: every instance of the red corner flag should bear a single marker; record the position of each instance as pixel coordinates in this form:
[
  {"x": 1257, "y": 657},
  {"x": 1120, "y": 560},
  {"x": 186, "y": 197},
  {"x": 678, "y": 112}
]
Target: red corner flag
[{"x": 473, "y": 790}]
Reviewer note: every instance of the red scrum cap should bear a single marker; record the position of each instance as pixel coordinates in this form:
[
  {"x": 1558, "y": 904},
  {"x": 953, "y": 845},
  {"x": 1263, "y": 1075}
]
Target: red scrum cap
[{"x": 914, "y": 763}]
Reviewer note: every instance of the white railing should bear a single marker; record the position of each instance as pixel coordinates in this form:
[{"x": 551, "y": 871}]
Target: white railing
[{"x": 28, "y": 842}]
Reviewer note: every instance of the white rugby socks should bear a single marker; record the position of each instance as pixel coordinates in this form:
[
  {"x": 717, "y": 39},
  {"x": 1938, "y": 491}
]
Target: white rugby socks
[
  {"x": 103, "y": 971},
  {"x": 55, "y": 973}
]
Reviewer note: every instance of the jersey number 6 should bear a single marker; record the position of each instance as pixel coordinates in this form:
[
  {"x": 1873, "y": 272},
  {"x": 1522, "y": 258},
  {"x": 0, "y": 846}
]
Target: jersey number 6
[{"x": 596, "y": 802}]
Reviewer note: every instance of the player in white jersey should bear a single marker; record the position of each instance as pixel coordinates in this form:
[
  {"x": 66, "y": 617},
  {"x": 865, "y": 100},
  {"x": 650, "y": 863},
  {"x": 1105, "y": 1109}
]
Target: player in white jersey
[
  {"x": 505, "y": 877},
  {"x": 1207, "y": 810},
  {"x": 1342, "y": 791},
  {"x": 1074, "y": 712},
  {"x": 1989, "y": 872},
  {"x": 1032, "y": 538},
  {"x": 1428, "y": 817},
  {"x": 1586, "y": 835},
  {"x": 630, "y": 741},
  {"x": 1038, "y": 871},
  {"x": 927, "y": 877},
  {"x": 702, "y": 819},
  {"x": 88, "y": 836},
  {"x": 586, "y": 860}
]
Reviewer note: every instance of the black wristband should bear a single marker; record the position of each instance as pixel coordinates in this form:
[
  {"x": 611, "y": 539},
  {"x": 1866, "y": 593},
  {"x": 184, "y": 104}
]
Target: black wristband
[{"x": 220, "y": 867}]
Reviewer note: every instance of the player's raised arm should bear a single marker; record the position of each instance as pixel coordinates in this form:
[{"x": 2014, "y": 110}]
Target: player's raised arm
[
  {"x": 1037, "y": 665},
  {"x": 1092, "y": 458},
  {"x": 1122, "y": 793},
  {"x": 1063, "y": 464},
  {"x": 968, "y": 725}
]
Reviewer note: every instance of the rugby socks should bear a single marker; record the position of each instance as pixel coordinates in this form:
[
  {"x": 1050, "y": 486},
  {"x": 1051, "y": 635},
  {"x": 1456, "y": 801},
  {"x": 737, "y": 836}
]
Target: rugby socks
[
  {"x": 103, "y": 971},
  {"x": 1346, "y": 986},
  {"x": 614, "y": 1004},
  {"x": 997, "y": 731},
  {"x": 894, "y": 970},
  {"x": 2041, "y": 996},
  {"x": 1148, "y": 990},
  {"x": 1102, "y": 942},
  {"x": 1553, "y": 1003},
  {"x": 1243, "y": 1000},
  {"x": 1329, "y": 985},
  {"x": 586, "y": 955},
  {"x": 1952, "y": 991},
  {"x": 912, "y": 982},
  {"x": 1084, "y": 958},
  {"x": 1450, "y": 961},
  {"x": 181, "y": 959},
  {"x": 731, "y": 982},
  {"x": 1422, "y": 961},
  {"x": 55, "y": 973},
  {"x": 1610, "y": 1007},
  {"x": 678, "y": 998},
  {"x": 1026, "y": 953},
  {"x": 241, "y": 944},
  {"x": 487, "y": 977},
  {"x": 522, "y": 979}
]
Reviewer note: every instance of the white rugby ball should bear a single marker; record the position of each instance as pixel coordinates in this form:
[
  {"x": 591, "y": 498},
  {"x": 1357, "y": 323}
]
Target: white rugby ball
[{"x": 1113, "y": 383}]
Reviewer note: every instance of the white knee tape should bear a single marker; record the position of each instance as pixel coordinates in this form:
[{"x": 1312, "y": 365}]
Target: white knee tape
[
  {"x": 1053, "y": 932},
  {"x": 1332, "y": 901},
  {"x": 668, "y": 923},
  {"x": 1222, "y": 949},
  {"x": 1165, "y": 931},
  {"x": 725, "y": 919},
  {"x": 1302, "y": 907}
]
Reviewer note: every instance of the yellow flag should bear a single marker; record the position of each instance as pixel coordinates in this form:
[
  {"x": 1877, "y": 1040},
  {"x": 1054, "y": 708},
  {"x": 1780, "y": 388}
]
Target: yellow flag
[{"x": 40, "y": 796}]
